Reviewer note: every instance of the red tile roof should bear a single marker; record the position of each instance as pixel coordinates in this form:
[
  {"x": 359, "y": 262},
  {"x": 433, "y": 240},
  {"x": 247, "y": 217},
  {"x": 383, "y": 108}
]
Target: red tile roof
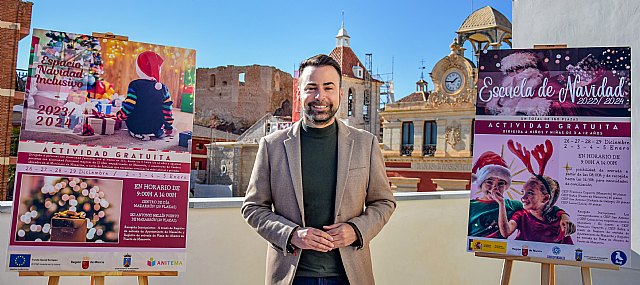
[
  {"x": 417, "y": 96},
  {"x": 347, "y": 60}
]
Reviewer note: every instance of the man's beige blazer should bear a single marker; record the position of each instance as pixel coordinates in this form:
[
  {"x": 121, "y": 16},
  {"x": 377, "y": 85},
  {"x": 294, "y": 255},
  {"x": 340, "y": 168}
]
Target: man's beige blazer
[{"x": 273, "y": 204}]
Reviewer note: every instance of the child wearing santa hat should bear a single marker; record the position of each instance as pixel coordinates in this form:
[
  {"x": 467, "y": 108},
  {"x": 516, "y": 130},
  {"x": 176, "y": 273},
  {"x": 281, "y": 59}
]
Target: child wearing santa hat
[
  {"x": 147, "y": 107},
  {"x": 492, "y": 176}
]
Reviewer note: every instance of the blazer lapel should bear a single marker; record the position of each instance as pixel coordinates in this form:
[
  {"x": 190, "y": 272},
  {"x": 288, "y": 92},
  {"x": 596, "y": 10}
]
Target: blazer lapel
[
  {"x": 292, "y": 147},
  {"x": 345, "y": 148}
]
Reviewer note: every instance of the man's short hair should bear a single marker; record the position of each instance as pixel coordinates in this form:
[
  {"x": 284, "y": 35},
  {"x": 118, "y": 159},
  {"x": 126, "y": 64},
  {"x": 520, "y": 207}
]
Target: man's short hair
[{"x": 321, "y": 60}]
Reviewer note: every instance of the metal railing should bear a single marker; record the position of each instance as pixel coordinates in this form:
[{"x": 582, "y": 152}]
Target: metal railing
[
  {"x": 21, "y": 80},
  {"x": 406, "y": 149},
  {"x": 13, "y": 147},
  {"x": 428, "y": 149}
]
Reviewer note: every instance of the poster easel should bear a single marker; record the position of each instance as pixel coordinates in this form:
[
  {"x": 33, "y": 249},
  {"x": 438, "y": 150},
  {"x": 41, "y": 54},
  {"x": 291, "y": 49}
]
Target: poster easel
[
  {"x": 547, "y": 270},
  {"x": 97, "y": 278}
]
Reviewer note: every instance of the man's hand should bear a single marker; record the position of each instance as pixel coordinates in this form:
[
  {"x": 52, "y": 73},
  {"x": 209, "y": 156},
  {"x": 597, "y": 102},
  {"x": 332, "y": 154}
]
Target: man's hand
[
  {"x": 311, "y": 238},
  {"x": 567, "y": 226},
  {"x": 343, "y": 234}
]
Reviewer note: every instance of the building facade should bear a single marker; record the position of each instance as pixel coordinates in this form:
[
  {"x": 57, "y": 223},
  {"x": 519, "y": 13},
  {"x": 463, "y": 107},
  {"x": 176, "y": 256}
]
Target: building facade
[
  {"x": 232, "y": 98},
  {"x": 15, "y": 24},
  {"x": 231, "y": 163},
  {"x": 428, "y": 136},
  {"x": 360, "y": 106}
]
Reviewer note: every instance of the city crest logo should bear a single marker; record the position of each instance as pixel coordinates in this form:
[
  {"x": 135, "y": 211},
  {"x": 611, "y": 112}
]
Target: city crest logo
[
  {"x": 126, "y": 261},
  {"x": 85, "y": 262}
]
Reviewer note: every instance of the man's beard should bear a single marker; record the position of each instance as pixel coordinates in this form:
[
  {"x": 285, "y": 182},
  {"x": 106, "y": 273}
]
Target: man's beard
[{"x": 319, "y": 117}]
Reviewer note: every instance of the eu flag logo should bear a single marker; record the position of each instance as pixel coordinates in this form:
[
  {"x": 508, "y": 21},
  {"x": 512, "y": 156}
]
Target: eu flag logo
[{"x": 19, "y": 260}]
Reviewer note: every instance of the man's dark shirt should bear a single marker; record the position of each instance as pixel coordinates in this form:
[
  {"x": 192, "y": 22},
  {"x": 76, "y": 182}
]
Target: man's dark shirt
[{"x": 319, "y": 152}]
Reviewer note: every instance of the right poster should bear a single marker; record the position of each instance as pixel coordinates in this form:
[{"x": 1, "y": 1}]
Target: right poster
[{"x": 551, "y": 173}]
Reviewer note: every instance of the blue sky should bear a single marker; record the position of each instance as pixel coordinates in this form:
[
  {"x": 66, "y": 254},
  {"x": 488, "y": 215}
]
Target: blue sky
[{"x": 276, "y": 33}]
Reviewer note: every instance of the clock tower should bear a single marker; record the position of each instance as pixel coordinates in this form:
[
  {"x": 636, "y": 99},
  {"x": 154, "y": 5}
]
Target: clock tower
[
  {"x": 428, "y": 134},
  {"x": 454, "y": 78}
]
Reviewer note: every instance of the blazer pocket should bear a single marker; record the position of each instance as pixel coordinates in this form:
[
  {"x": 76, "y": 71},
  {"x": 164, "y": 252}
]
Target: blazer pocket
[
  {"x": 357, "y": 171},
  {"x": 358, "y": 179}
]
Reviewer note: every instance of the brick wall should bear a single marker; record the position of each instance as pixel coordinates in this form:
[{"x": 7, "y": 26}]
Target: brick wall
[{"x": 13, "y": 11}]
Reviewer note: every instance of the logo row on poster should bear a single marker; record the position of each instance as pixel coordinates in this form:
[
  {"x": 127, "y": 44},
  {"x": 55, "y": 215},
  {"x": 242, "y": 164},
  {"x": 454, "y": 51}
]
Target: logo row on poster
[
  {"x": 550, "y": 251},
  {"x": 96, "y": 262}
]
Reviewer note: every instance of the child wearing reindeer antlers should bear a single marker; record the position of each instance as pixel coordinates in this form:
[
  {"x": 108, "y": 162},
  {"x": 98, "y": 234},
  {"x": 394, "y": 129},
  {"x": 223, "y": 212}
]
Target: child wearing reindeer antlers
[
  {"x": 491, "y": 175},
  {"x": 536, "y": 222}
]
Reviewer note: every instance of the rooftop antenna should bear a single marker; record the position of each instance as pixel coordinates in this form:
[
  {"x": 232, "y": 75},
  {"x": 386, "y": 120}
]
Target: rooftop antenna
[{"x": 392, "y": 62}]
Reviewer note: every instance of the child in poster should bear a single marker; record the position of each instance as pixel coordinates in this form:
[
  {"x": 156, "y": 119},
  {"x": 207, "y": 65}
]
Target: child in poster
[
  {"x": 147, "y": 108},
  {"x": 535, "y": 222},
  {"x": 492, "y": 175}
]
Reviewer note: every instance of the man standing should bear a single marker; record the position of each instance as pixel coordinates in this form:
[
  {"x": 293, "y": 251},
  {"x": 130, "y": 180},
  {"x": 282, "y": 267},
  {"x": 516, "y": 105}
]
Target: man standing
[{"x": 318, "y": 191}]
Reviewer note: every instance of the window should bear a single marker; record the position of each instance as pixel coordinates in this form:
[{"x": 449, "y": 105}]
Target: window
[
  {"x": 430, "y": 135},
  {"x": 212, "y": 80},
  {"x": 407, "y": 139},
  {"x": 199, "y": 146},
  {"x": 365, "y": 106},
  {"x": 241, "y": 78},
  {"x": 350, "y": 103},
  {"x": 198, "y": 165},
  {"x": 358, "y": 71}
]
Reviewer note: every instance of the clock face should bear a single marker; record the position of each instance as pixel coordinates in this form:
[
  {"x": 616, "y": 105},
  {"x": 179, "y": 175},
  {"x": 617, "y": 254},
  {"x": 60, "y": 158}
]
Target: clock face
[{"x": 453, "y": 81}]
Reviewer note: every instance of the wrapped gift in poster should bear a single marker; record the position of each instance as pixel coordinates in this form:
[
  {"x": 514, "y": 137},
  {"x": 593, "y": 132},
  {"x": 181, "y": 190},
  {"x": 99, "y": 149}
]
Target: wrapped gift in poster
[
  {"x": 552, "y": 148},
  {"x": 101, "y": 174}
]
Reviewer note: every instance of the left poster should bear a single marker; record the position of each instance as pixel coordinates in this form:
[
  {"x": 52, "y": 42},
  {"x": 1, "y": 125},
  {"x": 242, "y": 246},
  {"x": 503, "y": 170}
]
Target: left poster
[{"x": 102, "y": 180}]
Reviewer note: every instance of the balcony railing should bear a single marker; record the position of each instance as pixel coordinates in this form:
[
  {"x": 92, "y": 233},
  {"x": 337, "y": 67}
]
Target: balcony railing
[
  {"x": 406, "y": 149},
  {"x": 13, "y": 147},
  {"x": 428, "y": 149},
  {"x": 21, "y": 80}
]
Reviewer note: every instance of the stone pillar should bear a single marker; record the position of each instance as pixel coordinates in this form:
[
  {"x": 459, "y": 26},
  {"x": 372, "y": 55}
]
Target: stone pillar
[
  {"x": 404, "y": 184},
  {"x": 418, "y": 137},
  {"x": 441, "y": 142},
  {"x": 390, "y": 136},
  {"x": 466, "y": 130}
]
